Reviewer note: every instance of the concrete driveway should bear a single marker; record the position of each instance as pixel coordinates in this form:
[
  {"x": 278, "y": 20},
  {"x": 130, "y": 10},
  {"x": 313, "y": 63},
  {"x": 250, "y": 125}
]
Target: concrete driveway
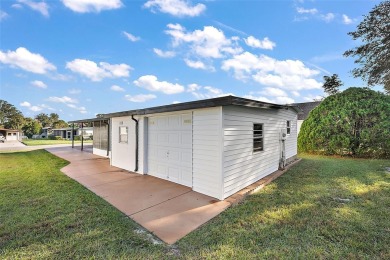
[{"x": 168, "y": 210}]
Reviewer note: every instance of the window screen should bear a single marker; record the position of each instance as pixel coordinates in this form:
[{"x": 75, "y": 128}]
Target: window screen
[
  {"x": 123, "y": 134},
  {"x": 258, "y": 137}
]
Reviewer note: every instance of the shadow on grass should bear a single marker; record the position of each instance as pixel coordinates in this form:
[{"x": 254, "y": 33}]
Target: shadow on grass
[{"x": 301, "y": 215}]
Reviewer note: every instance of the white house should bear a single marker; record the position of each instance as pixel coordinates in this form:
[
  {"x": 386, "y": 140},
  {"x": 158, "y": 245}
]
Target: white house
[
  {"x": 215, "y": 146},
  {"x": 305, "y": 108},
  {"x": 66, "y": 132}
]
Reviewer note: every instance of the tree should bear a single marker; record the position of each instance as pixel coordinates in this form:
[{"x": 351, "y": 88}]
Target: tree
[
  {"x": 43, "y": 119},
  {"x": 374, "y": 54},
  {"x": 48, "y": 120},
  {"x": 31, "y": 127},
  {"x": 60, "y": 124},
  {"x": 10, "y": 116},
  {"x": 332, "y": 84},
  {"x": 354, "y": 122}
]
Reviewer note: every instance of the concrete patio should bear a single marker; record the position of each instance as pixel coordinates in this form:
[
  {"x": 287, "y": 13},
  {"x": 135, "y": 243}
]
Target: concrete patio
[{"x": 168, "y": 210}]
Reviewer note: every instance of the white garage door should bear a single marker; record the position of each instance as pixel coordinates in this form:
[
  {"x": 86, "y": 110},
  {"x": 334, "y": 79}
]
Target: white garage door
[
  {"x": 170, "y": 148},
  {"x": 12, "y": 136}
]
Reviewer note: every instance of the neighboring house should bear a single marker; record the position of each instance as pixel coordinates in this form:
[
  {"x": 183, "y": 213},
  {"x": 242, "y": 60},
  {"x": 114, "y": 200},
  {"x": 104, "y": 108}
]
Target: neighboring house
[
  {"x": 305, "y": 110},
  {"x": 66, "y": 133},
  {"x": 215, "y": 146},
  {"x": 11, "y": 135},
  {"x": 46, "y": 131}
]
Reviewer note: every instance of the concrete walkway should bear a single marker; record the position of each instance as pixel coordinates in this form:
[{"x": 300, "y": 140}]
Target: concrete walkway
[{"x": 168, "y": 210}]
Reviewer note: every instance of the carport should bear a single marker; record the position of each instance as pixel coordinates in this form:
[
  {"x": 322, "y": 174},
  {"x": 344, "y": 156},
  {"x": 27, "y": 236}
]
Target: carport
[
  {"x": 101, "y": 135},
  {"x": 10, "y": 134}
]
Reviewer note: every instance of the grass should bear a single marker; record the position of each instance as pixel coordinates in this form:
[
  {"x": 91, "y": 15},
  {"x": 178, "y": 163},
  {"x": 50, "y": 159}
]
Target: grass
[
  {"x": 44, "y": 214},
  {"x": 34, "y": 142}
]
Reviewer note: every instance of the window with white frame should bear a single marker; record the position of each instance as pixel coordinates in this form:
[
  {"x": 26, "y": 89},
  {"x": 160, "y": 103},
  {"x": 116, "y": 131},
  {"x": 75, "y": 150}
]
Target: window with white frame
[
  {"x": 258, "y": 137},
  {"x": 123, "y": 133},
  {"x": 288, "y": 127}
]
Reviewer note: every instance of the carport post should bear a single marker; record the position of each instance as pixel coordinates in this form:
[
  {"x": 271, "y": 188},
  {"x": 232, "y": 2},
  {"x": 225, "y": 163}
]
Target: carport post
[
  {"x": 108, "y": 137},
  {"x": 73, "y": 135},
  {"x": 82, "y": 137}
]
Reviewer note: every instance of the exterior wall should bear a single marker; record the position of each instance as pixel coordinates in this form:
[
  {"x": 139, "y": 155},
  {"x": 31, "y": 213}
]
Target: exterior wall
[
  {"x": 123, "y": 154},
  {"x": 241, "y": 166},
  {"x": 207, "y": 151},
  {"x": 299, "y": 124},
  {"x": 100, "y": 152}
]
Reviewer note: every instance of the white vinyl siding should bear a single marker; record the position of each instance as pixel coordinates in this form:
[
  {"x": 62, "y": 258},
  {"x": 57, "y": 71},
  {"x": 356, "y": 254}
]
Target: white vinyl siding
[
  {"x": 123, "y": 153},
  {"x": 242, "y": 166},
  {"x": 207, "y": 151}
]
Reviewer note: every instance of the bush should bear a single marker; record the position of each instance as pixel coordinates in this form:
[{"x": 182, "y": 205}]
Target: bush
[
  {"x": 51, "y": 137},
  {"x": 77, "y": 138},
  {"x": 354, "y": 122},
  {"x": 58, "y": 137}
]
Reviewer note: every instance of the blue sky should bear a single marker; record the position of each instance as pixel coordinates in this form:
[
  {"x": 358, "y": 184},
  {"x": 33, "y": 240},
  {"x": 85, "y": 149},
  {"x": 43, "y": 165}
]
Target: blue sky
[{"x": 80, "y": 58}]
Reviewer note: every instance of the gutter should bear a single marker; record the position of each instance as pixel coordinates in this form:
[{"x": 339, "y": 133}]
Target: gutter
[{"x": 136, "y": 142}]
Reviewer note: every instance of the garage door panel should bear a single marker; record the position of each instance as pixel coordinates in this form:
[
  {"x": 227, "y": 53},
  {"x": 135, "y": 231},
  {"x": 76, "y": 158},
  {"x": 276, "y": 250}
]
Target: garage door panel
[{"x": 170, "y": 147}]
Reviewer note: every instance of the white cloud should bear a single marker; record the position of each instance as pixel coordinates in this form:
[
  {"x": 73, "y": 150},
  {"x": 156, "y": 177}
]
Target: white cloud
[
  {"x": 198, "y": 65},
  {"x": 295, "y": 93},
  {"x": 40, "y": 7},
  {"x": 88, "y": 6},
  {"x": 273, "y": 92},
  {"x": 25, "y": 104},
  {"x": 82, "y": 110},
  {"x": 150, "y": 82},
  {"x": 164, "y": 54},
  {"x": 276, "y": 100},
  {"x": 3, "y": 15},
  {"x": 96, "y": 72},
  {"x": 74, "y": 91},
  {"x": 207, "y": 43},
  {"x": 64, "y": 99},
  {"x": 347, "y": 20},
  {"x": 286, "y": 74},
  {"x": 117, "y": 88},
  {"x": 301, "y": 10},
  {"x": 327, "y": 17},
  {"x": 140, "y": 98},
  {"x": 34, "y": 108},
  {"x": 131, "y": 37},
  {"x": 17, "y": 6},
  {"x": 179, "y": 8},
  {"x": 26, "y": 60},
  {"x": 201, "y": 92},
  {"x": 311, "y": 98},
  {"x": 38, "y": 84},
  {"x": 266, "y": 43}
]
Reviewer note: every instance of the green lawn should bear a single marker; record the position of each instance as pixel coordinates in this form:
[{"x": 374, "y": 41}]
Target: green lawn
[
  {"x": 303, "y": 214},
  {"x": 33, "y": 142}
]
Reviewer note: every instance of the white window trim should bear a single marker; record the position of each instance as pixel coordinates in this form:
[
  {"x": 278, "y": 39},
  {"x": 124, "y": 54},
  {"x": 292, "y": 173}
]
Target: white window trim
[
  {"x": 127, "y": 135},
  {"x": 262, "y": 138}
]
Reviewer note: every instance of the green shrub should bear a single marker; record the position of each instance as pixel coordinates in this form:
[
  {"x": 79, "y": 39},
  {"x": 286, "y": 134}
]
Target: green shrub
[
  {"x": 58, "y": 137},
  {"x": 77, "y": 138},
  {"x": 51, "y": 137},
  {"x": 354, "y": 122}
]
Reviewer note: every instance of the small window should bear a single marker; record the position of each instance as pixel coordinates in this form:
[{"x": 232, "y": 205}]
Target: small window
[
  {"x": 258, "y": 138},
  {"x": 288, "y": 127},
  {"x": 123, "y": 134}
]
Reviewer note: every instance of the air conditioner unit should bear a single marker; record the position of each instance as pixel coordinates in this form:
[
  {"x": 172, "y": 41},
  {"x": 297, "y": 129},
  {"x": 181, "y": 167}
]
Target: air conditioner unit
[{"x": 283, "y": 134}]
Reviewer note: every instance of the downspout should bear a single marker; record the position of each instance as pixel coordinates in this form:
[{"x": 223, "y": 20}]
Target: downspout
[
  {"x": 136, "y": 142},
  {"x": 108, "y": 137}
]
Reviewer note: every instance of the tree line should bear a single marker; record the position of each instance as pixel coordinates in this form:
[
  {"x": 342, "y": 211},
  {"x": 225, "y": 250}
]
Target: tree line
[{"x": 12, "y": 118}]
